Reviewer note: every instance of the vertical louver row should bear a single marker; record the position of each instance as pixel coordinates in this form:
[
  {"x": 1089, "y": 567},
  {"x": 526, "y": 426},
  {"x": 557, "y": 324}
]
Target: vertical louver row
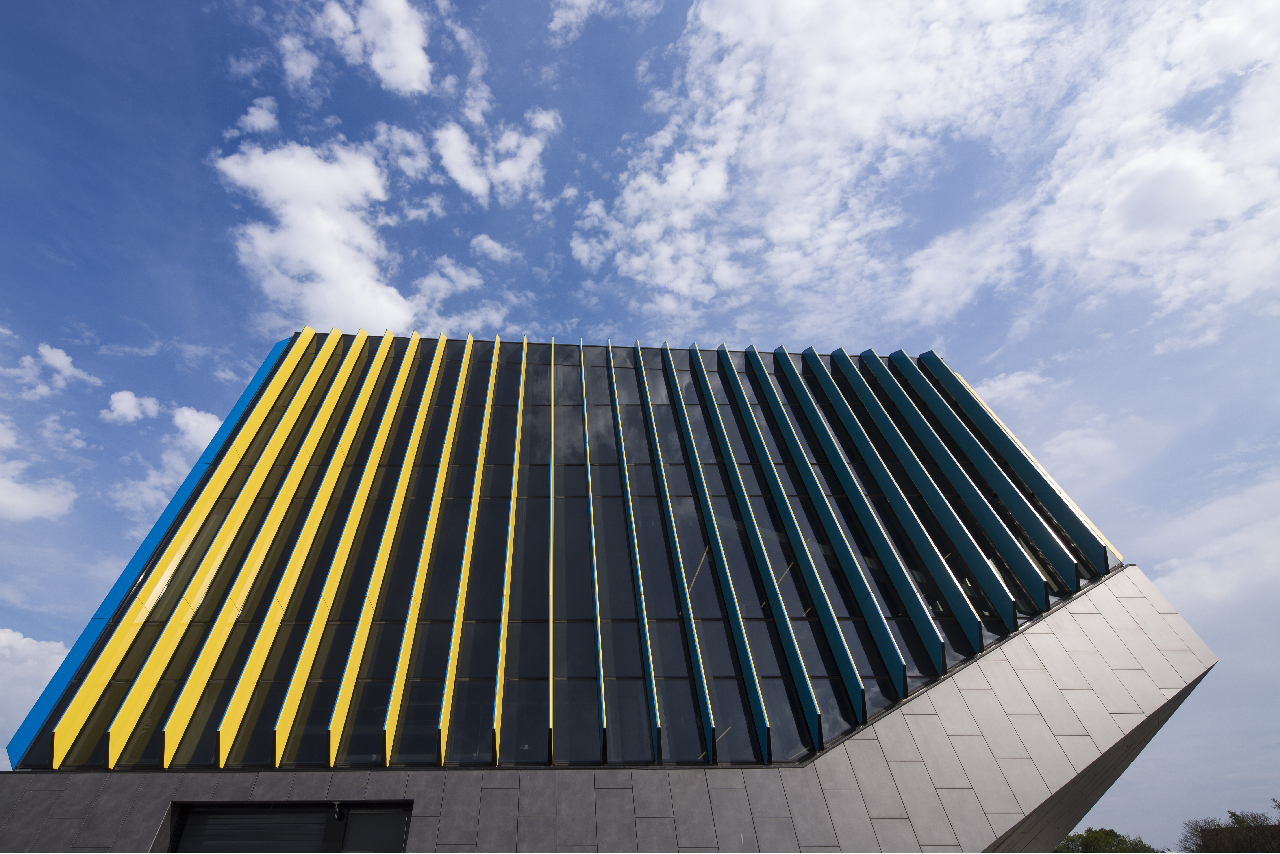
[{"x": 412, "y": 551}]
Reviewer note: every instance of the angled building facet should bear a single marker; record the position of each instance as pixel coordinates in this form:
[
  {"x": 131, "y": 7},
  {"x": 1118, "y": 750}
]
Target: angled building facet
[{"x": 445, "y": 592}]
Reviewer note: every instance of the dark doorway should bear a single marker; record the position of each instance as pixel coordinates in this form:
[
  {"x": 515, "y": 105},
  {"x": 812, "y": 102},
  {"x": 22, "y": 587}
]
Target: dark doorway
[{"x": 357, "y": 826}]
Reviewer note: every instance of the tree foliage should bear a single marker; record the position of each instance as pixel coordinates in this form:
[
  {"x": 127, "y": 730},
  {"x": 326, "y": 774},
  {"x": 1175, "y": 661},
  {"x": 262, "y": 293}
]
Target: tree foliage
[
  {"x": 1102, "y": 839},
  {"x": 1242, "y": 831}
]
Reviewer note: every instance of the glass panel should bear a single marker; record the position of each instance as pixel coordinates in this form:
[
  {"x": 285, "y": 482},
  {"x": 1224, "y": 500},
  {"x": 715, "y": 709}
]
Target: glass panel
[
  {"x": 488, "y": 561},
  {"x": 837, "y": 716},
  {"x": 446, "y": 560},
  {"x": 664, "y": 420},
  {"x": 598, "y": 386},
  {"x": 524, "y": 722},
  {"x": 502, "y": 434},
  {"x": 603, "y": 435},
  {"x": 629, "y": 731},
  {"x": 574, "y": 590},
  {"x": 527, "y": 653},
  {"x": 535, "y": 441},
  {"x": 568, "y": 384},
  {"x": 613, "y": 559},
  {"x": 506, "y": 386},
  {"x": 717, "y": 647},
  {"x": 364, "y": 744},
  {"x": 657, "y": 385},
  {"x": 606, "y": 481},
  {"x": 570, "y": 440},
  {"x": 530, "y": 567},
  {"x": 576, "y": 649},
  {"x": 577, "y": 728},
  {"x": 666, "y": 645},
  {"x": 742, "y": 571},
  {"x": 534, "y": 480},
  {"x": 571, "y": 480},
  {"x": 309, "y": 742},
  {"x": 478, "y": 651},
  {"x": 655, "y": 560},
  {"x": 734, "y": 739},
  {"x": 787, "y": 732},
  {"x": 634, "y": 433},
  {"x": 471, "y": 730},
  {"x": 595, "y": 355},
  {"x": 537, "y": 384},
  {"x": 511, "y": 351},
  {"x": 419, "y": 739},
  {"x": 620, "y": 648},
  {"x": 681, "y": 722},
  {"x": 432, "y": 658}
]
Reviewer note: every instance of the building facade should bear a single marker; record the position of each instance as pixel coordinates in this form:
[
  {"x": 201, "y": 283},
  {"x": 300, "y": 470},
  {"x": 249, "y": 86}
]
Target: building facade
[{"x": 453, "y": 592}]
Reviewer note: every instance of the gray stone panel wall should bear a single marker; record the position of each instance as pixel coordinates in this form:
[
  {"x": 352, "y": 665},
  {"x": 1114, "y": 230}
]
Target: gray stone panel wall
[{"x": 1006, "y": 753}]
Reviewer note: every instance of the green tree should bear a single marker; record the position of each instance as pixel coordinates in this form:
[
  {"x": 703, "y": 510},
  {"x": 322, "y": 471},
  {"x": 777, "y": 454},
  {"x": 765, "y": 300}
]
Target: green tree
[
  {"x": 1102, "y": 839},
  {"x": 1243, "y": 831}
]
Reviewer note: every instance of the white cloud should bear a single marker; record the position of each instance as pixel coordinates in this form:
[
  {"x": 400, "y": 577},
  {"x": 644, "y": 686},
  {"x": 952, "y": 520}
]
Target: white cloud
[
  {"x": 432, "y": 206},
  {"x": 143, "y": 497},
  {"x": 511, "y": 164},
  {"x": 22, "y": 500},
  {"x": 127, "y": 407},
  {"x": 26, "y": 665},
  {"x": 299, "y": 63},
  {"x": 196, "y": 429},
  {"x": 1129, "y": 150},
  {"x": 484, "y": 246},
  {"x": 1010, "y": 389},
  {"x": 477, "y": 99},
  {"x": 404, "y": 148},
  {"x": 390, "y": 36},
  {"x": 1225, "y": 548},
  {"x": 449, "y": 279},
  {"x": 58, "y": 436},
  {"x": 261, "y": 116},
  {"x": 462, "y": 161},
  {"x": 320, "y": 262},
  {"x": 31, "y": 374},
  {"x": 568, "y": 16}
]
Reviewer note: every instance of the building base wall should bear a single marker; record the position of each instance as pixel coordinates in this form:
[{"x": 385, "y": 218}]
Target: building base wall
[{"x": 1006, "y": 753}]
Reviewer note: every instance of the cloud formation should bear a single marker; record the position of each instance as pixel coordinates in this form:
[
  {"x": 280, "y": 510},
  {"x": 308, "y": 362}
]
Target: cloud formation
[
  {"x": 21, "y": 499},
  {"x": 804, "y": 143},
  {"x": 320, "y": 261},
  {"x": 143, "y": 497},
  {"x": 484, "y": 246},
  {"x": 510, "y": 164},
  {"x": 38, "y": 383},
  {"x": 569, "y": 16},
  {"x": 390, "y": 36},
  {"x": 26, "y": 665},
  {"x": 260, "y": 117},
  {"x": 126, "y": 407}
]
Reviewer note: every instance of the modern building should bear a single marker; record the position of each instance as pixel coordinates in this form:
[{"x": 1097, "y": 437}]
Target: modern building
[{"x": 493, "y": 595}]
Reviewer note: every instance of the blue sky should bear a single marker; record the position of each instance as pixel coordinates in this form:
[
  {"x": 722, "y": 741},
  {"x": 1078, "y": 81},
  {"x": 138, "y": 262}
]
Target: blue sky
[{"x": 1078, "y": 206}]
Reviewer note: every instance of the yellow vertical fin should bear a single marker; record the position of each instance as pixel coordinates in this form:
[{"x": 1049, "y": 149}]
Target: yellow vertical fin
[
  {"x": 336, "y": 570},
  {"x": 117, "y": 646},
  {"x": 233, "y": 717},
  {"x": 176, "y": 724},
  {"x": 506, "y": 578},
  {"x": 342, "y": 707},
  {"x": 451, "y": 674},
  {"x": 424, "y": 559}
]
